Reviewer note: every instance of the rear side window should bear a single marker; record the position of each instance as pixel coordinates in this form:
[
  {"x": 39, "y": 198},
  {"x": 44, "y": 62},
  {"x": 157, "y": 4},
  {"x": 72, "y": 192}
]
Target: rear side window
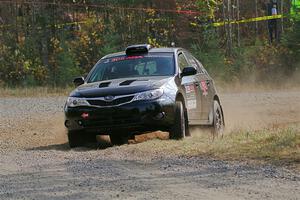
[
  {"x": 192, "y": 60},
  {"x": 182, "y": 63},
  {"x": 203, "y": 70},
  {"x": 155, "y": 64}
]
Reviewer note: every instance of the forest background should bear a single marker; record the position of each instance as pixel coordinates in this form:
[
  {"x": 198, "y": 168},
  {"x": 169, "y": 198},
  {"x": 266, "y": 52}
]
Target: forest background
[{"x": 49, "y": 42}]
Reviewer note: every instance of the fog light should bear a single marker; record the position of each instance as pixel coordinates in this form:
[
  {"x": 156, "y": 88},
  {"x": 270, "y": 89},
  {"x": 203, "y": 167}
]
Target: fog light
[
  {"x": 67, "y": 123},
  {"x": 159, "y": 116}
]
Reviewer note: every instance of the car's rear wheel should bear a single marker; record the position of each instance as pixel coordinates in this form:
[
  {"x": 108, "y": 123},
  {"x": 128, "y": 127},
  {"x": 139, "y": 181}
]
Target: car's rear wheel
[
  {"x": 180, "y": 127},
  {"x": 218, "y": 122},
  {"x": 118, "y": 140}
]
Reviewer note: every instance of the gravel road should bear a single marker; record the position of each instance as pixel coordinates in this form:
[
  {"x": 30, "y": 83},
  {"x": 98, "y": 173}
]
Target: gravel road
[{"x": 36, "y": 163}]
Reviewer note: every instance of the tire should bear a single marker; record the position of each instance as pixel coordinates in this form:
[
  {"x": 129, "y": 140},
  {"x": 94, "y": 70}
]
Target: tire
[
  {"x": 218, "y": 122},
  {"x": 178, "y": 131},
  {"x": 75, "y": 139},
  {"x": 89, "y": 138},
  {"x": 118, "y": 140},
  {"x": 187, "y": 128},
  {"x": 79, "y": 138}
]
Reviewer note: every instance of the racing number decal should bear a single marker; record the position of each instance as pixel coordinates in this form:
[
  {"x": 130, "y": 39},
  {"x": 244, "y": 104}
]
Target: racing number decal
[
  {"x": 190, "y": 88},
  {"x": 191, "y": 97},
  {"x": 204, "y": 88}
]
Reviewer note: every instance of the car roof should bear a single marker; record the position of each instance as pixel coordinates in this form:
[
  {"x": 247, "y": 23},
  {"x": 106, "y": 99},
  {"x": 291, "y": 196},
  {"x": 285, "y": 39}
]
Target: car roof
[{"x": 152, "y": 50}]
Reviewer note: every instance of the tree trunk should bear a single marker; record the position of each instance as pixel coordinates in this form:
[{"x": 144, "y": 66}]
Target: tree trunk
[
  {"x": 229, "y": 27},
  {"x": 238, "y": 25}
]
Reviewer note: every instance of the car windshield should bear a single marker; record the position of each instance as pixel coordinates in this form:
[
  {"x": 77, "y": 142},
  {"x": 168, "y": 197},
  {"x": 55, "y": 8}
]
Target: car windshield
[{"x": 161, "y": 64}]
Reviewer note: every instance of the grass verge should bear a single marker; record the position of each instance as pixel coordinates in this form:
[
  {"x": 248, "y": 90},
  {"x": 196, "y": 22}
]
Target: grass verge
[{"x": 278, "y": 146}]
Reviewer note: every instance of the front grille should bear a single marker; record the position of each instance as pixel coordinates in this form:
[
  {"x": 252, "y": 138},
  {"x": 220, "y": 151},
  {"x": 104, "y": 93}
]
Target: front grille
[
  {"x": 114, "y": 119},
  {"x": 115, "y": 102},
  {"x": 112, "y": 122}
]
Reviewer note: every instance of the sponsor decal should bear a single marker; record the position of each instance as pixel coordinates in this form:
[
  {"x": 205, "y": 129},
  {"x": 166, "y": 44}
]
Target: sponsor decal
[
  {"x": 191, "y": 97},
  {"x": 204, "y": 88},
  {"x": 118, "y": 59},
  {"x": 190, "y": 88},
  {"x": 191, "y": 104}
]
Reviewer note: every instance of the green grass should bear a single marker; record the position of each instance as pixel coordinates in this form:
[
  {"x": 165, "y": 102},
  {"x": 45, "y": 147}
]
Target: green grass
[
  {"x": 34, "y": 91},
  {"x": 274, "y": 145}
]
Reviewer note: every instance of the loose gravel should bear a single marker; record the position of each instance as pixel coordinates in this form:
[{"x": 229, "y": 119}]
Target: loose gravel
[{"x": 36, "y": 162}]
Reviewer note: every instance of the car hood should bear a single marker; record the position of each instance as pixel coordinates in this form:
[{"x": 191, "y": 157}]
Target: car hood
[{"x": 119, "y": 86}]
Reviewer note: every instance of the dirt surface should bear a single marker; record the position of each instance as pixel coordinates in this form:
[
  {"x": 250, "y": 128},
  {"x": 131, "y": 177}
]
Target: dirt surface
[{"x": 36, "y": 163}]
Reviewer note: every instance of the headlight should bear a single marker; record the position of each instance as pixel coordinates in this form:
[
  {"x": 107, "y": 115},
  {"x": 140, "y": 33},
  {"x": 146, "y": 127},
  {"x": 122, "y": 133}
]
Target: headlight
[
  {"x": 149, "y": 95},
  {"x": 74, "y": 102}
]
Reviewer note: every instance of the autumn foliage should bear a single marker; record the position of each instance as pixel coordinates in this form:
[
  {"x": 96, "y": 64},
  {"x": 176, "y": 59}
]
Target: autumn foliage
[{"x": 46, "y": 43}]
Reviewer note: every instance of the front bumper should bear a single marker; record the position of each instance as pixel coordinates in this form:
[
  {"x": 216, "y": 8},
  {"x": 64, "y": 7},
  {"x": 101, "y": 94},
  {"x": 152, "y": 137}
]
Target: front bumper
[{"x": 138, "y": 116}]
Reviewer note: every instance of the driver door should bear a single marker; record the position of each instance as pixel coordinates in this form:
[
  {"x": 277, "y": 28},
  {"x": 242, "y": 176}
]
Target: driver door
[
  {"x": 189, "y": 84},
  {"x": 202, "y": 90}
]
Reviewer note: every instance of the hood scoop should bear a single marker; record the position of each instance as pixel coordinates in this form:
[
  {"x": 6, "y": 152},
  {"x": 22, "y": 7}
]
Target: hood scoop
[
  {"x": 104, "y": 84},
  {"x": 128, "y": 82}
]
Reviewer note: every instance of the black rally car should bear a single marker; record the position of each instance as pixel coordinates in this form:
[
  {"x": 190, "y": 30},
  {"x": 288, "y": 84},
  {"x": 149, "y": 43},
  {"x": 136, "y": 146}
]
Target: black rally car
[{"x": 142, "y": 89}]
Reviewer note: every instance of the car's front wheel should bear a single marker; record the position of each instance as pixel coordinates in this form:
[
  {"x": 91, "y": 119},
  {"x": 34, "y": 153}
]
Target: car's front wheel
[
  {"x": 75, "y": 139},
  {"x": 180, "y": 127},
  {"x": 79, "y": 138},
  {"x": 118, "y": 140}
]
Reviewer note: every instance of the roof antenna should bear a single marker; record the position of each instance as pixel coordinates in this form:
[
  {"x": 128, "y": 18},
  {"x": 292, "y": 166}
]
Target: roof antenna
[{"x": 172, "y": 44}]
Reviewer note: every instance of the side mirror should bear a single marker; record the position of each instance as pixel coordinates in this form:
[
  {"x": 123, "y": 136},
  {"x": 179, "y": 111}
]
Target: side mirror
[
  {"x": 78, "y": 81},
  {"x": 188, "y": 71}
]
